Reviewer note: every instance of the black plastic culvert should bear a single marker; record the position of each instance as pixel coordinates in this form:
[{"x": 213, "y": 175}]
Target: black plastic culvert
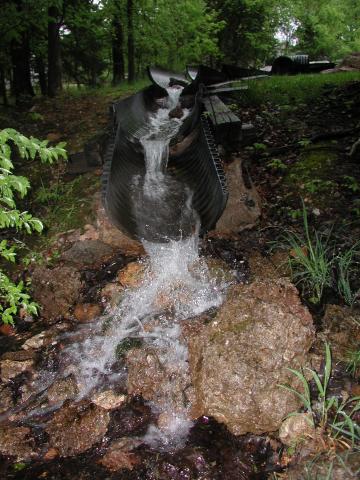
[{"x": 193, "y": 162}]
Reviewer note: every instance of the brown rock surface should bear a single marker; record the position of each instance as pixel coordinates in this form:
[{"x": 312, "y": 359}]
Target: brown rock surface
[
  {"x": 16, "y": 442},
  {"x": 243, "y": 206},
  {"x": 6, "y": 398},
  {"x": 295, "y": 428},
  {"x": 62, "y": 389},
  {"x": 76, "y": 428},
  {"x": 239, "y": 359},
  {"x": 10, "y": 368},
  {"x": 132, "y": 275},
  {"x": 119, "y": 456},
  {"x": 86, "y": 312},
  {"x": 56, "y": 290},
  {"x": 88, "y": 253},
  {"x": 108, "y": 400},
  {"x": 112, "y": 236}
]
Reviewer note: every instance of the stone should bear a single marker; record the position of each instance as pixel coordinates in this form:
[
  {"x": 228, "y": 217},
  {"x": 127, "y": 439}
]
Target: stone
[
  {"x": 86, "y": 312},
  {"x": 16, "y": 442},
  {"x": 12, "y": 368},
  {"x": 120, "y": 457},
  {"x": 51, "y": 454},
  {"x": 112, "y": 294},
  {"x": 6, "y": 398},
  {"x": 132, "y": 275},
  {"x": 176, "y": 112},
  {"x": 243, "y": 209},
  {"x": 7, "y": 330},
  {"x": 56, "y": 290},
  {"x": 88, "y": 253},
  {"x": 112, "y": 236},
  {"x": 53, "y": 136},
  {"x": 108, "y": 400},
  {"x": 62, "y": 389},
  {"x": 296, "y": 428},
  {"x": 90, "y": 233},
  {"x": 37, "y": 341},
  {"x": 260, "y": 331},
  {"x": 77, "y": 427}
]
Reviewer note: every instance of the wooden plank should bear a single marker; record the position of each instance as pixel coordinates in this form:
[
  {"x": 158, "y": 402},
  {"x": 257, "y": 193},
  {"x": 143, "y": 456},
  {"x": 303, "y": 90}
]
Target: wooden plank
[{"x": 219, "y": 113}]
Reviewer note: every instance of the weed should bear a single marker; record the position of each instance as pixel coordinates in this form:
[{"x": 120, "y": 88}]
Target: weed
[
  {"x": 351, "y": 183},
  {"x": 333, "y": 416},
  {"x": 353, "y": 362},
  {"x": 318, "y": 185},
  {"x": 260, "y": 147},
  {"x": 277, "y": 164},
  {"x": 345, "y": 268},
  {"x": 309, "y": 261},
  {"x": 305, "y": 142}
]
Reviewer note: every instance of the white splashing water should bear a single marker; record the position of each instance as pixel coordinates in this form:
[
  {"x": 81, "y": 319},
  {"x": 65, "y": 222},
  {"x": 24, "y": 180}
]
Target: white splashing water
[{"x": 176, "y": 286}]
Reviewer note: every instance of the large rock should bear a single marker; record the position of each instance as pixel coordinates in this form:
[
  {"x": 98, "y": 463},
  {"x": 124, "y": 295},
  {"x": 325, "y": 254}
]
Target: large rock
[
  {"x": 76, "y": 428},
  {"x": 112, "y": 236},
  {"x": 243, "y": 206},
  {"x": 56, "y": 290},
  {"x": 88, "y": 253},
  {"x": 238, "y": 361},
  {"x": 16, "y": 442}
]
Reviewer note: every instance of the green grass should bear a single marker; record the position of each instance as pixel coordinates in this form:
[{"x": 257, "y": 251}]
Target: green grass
[
  {"x": 293, "y": 90},
  {"x": 122, "y": 90},
  {"x": 333, "y": 415}
]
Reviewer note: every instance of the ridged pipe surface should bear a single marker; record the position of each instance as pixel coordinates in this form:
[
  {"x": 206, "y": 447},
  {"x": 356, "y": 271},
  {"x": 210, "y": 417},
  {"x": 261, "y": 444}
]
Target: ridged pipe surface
[{"x": 197, "y": 163}]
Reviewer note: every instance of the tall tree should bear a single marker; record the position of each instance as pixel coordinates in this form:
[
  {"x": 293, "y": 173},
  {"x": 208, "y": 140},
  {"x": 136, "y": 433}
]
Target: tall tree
[
  {"x": 131, "y": 46},
  {"x": 54, "y": 50},
  {"x": 117, "y": 44}
]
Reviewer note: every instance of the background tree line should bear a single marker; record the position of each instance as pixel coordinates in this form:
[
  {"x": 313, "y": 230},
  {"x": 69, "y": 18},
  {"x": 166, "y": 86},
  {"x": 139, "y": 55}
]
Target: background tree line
[{"x": 45, "y": 43}]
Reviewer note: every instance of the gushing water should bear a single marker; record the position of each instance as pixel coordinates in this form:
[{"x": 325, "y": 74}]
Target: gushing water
[{"x": 176, "y": 286}]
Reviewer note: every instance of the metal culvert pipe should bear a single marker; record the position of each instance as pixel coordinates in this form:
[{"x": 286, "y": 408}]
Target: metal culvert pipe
[{"x": 193, "y": 161}]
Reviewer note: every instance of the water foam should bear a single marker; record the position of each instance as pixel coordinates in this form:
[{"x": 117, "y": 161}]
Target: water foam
[{"x": 176, "y": 286}]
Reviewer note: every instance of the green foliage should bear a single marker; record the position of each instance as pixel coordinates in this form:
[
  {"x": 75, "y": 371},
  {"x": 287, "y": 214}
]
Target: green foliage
[
  {"x": 353, "y": 360},
  {"x": 309, "y": 261},
  {"x": 277, "y": 164},
  {"x": 329, "y": 412},
  {"x": 345, "y": 263},
  {"x": 13, "y": 295}
]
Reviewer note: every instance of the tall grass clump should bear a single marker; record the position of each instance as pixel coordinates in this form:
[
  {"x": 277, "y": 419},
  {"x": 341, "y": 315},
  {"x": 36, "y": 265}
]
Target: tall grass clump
[{"x": 317, "y": 263}]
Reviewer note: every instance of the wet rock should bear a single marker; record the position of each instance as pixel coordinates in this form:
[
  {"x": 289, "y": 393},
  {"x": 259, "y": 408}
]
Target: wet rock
[
  {"x": 76, "y": 428},
  {"x": 51, "y": 454},
  {"x": 16, "y": 442},
  {"x": 120, "y": 455},
  {"x": 7, "y": 330},
  {"x": 112, "y": 294},
  {"x": 13, "y": 364},
  {"x": 341, "y": 330},
  {"x": 56, "y": 290},
  {"x": 176, "y": 112},
  {"x": 88, "y": 253},
  {"x": 145, "y": 373},
  {"x": 260, "y": 331},
  {"x": 131, "y": 419},
  {"x": 62, "y": 389},
  {"x": 243, "y": 206},
  {"x": 108, "y": 400},
  {"x": 112, "y": 236},
  {"x": 86, "y": 312},
  {"x": 295, "y": 428},
  {"x": 6, "y": 398},
  {"x": 132, "y": 275},
  {"x": 37, "y": 341}
]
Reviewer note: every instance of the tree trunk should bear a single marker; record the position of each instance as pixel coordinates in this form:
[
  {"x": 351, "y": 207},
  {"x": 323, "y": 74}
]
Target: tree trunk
[
  {"x": 20, "y": 59},
  {"x": 118, "y": 49},
  {"x": 40, "y": 68},
  {"x": 131, "y": 47},
  {"x": 54, "y": 55},
  {"x": 3, "y": 86}
]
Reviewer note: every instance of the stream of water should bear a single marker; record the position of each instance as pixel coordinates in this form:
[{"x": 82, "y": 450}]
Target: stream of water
[{"x": 176, "y": 286}]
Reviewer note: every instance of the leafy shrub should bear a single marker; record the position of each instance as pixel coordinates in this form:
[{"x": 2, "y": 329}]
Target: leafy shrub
[{"x": 13, "y": 296}]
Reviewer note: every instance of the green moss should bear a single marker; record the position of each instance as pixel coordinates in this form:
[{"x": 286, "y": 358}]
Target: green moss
[
  {"x": 125, "y": 345},
  {"x": 313, "y": 175}
]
